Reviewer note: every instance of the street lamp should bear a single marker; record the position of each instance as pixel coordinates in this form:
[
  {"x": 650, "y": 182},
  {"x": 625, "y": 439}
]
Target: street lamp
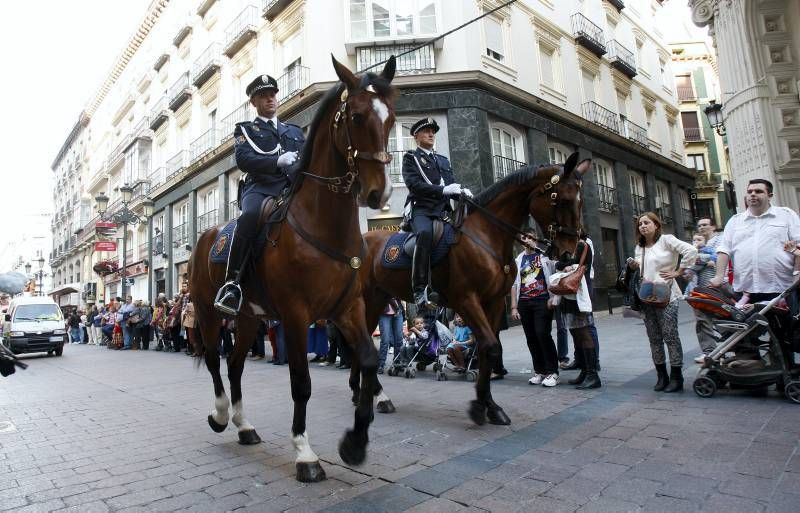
[
  {"x": 41, "y": 274},
  {"x": 715, "y": 119},
  {"x": 124, "y": 216}
]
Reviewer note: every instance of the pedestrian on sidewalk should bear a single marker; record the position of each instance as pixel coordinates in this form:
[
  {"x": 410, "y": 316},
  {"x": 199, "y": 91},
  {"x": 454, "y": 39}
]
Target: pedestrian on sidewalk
[
  {"x": 390, "y": 324},
  {"x": 189, "y": 323}
]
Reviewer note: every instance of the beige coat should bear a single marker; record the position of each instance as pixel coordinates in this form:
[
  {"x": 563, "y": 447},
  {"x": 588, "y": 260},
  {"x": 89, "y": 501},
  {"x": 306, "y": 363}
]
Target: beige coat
[{"x": 189, "y": 320}]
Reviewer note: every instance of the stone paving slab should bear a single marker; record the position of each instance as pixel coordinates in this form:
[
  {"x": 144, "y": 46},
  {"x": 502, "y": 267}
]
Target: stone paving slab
[{"x": 99, "y": 430}]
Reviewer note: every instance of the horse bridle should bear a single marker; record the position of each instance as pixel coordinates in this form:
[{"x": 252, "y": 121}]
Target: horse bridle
[{"x": 344, "y": 183}]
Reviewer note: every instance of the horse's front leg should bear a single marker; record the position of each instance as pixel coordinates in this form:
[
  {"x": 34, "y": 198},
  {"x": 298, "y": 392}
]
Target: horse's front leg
[
  {"x": 384, "y": 403},
  {"x": 209, "y": 322},
  {"x": 246, "y": 330}
]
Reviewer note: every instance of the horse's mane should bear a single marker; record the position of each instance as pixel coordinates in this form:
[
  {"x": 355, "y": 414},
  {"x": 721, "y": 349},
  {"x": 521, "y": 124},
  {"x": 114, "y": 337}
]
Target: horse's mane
[{"x": 518, "y": 177}]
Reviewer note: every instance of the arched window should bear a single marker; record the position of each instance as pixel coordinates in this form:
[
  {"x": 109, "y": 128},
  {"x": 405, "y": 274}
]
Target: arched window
[
  {"x": 508, "y": 152},
  {"x": 400, "y": 141},
  {"x": 606, "y": 189},
  {"x": 558, "y": 152}
]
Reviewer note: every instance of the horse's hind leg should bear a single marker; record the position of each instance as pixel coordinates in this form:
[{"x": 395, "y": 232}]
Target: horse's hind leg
[{"x": 246, "y": 330}]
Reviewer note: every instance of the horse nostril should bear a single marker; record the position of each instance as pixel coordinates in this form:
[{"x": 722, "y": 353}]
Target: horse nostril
[{"x": 374, "y": 200}]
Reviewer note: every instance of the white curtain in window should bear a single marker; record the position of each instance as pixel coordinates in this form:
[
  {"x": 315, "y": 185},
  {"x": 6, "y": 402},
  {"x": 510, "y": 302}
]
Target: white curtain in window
[
  {"x": 358, "y": 19},
  {"x": 603, "y": 173},
  {"x": 404, "y": 18},
  {"x": 546, "y": 66},
  {"x": 292, "y": 49},
  {"x": 380, "y": 18},
  {"x": 494, "y": 34},
  {"x": 588, "y": 86},
  {"x": 427, "y": 17}
]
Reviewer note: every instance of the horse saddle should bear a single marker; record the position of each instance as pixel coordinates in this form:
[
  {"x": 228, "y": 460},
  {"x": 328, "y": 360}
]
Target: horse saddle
[
  {"x": 399, "y": 249},
  {"x": 271, "y": 213}
]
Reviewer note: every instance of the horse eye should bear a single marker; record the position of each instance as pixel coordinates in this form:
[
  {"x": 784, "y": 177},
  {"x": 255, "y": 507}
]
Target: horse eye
[{"x": 358, "y": 119}]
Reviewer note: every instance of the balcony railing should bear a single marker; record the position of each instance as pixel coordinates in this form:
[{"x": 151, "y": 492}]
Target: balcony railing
[
  {"x": 692, "y": 134},
  {"x": 142, "y": 129},
  {"x": 634, "y": 132},
  {"x": 207, "y": 64},
  {"x": 504, "y": 166},
  {"x": 204, "y": 144},
  {"x": 272, "y": 8},
  {"x": 157, "y": 177},
  {"x": 293, "y": 81},
  {"x": 129, "y": 255},
  {"x": 608, "y": 198},
  {"x": 241, "y": 30},
  {"x": 233, "y": 210},
  {"x": 117, "y": 154},
  {"x": 601, "y": 116},
  {"x": 207, "y": 220},
  {"x": 177, "y": 163},
  {"x": 414, "y": 63},
  {"x": 621, "y": 58},
  {"x": 160, "y": 61},
  {"x": 159, "y": 114},
  {"x": 639, "y": 205},
  {"x": 143, "y": 251},
  {"x": 665, "y": 213},
  {"x": 244, "y": 112},
  {"x": 180, "y": 234},
  {"x": 686, "y": 94},
  {"x": 688, "y": 218},
  {"x": 654, "y": 145},
  {"x": 618, "y": 4},
  {"x": 179, "y": 92},
  {"x": 588, "y": 34}
]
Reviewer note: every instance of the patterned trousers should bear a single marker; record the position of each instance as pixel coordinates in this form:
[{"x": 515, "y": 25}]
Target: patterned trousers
[{"x": 662, "y": 328}]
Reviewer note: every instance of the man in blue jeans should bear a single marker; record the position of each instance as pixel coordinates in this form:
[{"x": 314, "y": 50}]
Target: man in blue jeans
[
  {"x": 127, "y": 330},
  {"x": 391, "y": 327}
]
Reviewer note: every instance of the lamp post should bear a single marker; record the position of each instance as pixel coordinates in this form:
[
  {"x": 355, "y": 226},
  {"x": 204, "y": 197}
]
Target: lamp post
[
  {"x": 40, "y": 261},
  {"x": 715, "y": 119},
  {"x": 124, "y": 216}
]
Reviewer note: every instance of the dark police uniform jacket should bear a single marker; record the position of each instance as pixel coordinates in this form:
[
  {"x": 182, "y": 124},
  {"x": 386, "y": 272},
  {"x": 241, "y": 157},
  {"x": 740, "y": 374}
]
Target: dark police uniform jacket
[
  {"x": 263, "y": 174},
  {"x": 427, "y": 198}
]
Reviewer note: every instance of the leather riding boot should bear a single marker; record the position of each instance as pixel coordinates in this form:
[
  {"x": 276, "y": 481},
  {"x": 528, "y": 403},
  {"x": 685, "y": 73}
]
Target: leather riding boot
[
  {"x": 592, "y": 379},
  {"x": 675, "y": 380},
  {"x": 663, "y": 377},
  {"x": 424, "y": 297},
  {"x": 229, "y": 296}
]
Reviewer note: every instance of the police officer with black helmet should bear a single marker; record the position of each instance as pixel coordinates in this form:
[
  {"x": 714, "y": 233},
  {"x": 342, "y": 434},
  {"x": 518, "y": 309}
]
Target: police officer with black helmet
[
  {"x": 431, "y": 184},
  {"x": 265, "y": 150}
]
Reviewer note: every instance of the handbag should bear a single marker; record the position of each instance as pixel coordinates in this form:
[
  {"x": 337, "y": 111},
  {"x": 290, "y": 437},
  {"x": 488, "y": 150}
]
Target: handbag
[
  {"x": 652, "y": 293},
  {"x": 571, "y": 283}
]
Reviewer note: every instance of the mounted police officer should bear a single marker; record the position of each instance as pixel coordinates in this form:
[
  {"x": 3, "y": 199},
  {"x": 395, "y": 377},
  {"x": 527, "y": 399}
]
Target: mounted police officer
[
  {"x": 265, "y": 150},
  {"x": 430, "y": 183}
]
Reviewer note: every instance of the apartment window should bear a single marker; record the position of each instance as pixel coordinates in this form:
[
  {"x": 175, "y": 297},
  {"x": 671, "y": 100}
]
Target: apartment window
[
  {"x": 391, "y": 18},
  {"x": 691, "y": 126},
  {"x": 696, "y": 161},
  {"x": 602, "y": 170},
  {"x": 637, "y": 184},
  {"x": 292, "y": 50},
  {"x": 208, "y": 201},
  {"x": 506, "y": 142},
  {"x": 588, "y": 80},
  {"x": 640, "y": 58},
  {"x": 558, "y": 153},
  {"x": 493, "y": 30},
  {"x": 400, "y": 141},
  {"x": 671, "y": 129},
  {"x": 683, "y": 84},
  {"x": 546, "y": 59}
]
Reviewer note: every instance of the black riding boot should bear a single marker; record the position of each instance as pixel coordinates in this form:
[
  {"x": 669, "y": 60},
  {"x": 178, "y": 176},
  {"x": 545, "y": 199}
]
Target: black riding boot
[
  {"x": 675, "y": 380},
  {"x": 229, "y": 296},
  {"x": 592, "y": 380},
  {"x": 424, "y": 297},
  {"x": 663, "y": 377}
]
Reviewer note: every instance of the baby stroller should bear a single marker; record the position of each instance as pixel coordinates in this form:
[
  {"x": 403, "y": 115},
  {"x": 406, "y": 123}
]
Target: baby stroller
[
  {"x": 420, "y": 357},
  {"x": 767, "y": 329},
  {"x": 445, "y": 362}
]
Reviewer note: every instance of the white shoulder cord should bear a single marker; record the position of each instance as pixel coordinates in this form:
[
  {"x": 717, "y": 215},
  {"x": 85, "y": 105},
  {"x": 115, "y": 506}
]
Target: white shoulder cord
[{"x": 274, "y": 151}]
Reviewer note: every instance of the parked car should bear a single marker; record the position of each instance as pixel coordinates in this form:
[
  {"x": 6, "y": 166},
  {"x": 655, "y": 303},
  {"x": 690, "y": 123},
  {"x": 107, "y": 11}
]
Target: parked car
[{"x": 34, "y": 325}]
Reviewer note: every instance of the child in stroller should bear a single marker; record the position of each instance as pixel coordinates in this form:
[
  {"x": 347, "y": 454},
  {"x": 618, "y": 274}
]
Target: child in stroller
[
  {"x": 420, "y": 347},
  {"x": 462, "y": 349}
]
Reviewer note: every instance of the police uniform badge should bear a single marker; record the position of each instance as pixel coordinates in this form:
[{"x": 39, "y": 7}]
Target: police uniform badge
[
  {"x": 392, "y": 254},
  {"x": 255, "y": 128},
  {"x": 219, "y": 246},
  {"x": 240, "y": 140}
]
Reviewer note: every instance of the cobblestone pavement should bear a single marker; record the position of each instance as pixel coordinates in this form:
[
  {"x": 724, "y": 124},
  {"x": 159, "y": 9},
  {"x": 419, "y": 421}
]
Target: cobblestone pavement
[{"x": 97, "y": 430}]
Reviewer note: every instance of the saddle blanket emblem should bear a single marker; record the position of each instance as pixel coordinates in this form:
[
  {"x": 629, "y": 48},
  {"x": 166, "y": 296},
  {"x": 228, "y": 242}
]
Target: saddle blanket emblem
[
  {"x": 222, "y": 244},
  {"x": 395, "y": 256},
  {"x": 392, "y": 253}
]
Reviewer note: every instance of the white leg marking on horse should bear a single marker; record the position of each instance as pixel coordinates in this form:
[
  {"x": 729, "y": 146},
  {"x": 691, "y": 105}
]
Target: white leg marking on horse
[
  {"x": 220, "y": 411},
  {"x": 383, "y": 397},
  {"x": 304, "y": 452},
  {"x": 257, "y": 310},
  {"x": 238, "y": 418},
  {"x": 381, "y": 109}
]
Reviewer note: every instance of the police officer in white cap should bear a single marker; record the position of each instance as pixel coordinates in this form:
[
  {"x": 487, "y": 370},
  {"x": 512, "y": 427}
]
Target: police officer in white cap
[
  {"x": 265, "y": 149},
  {"x": 430, "y": 183}
]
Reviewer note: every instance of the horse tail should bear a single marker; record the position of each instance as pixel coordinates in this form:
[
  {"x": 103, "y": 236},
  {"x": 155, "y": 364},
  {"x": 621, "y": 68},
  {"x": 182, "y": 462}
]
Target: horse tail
[{"x": 199, "y": 350}]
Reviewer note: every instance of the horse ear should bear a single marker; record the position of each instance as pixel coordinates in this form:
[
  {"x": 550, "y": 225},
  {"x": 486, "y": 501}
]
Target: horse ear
[
  {"x": 344, "y": 74},
  {"x": 569, "y": 165},
  {"x": 389, "y": 69},
  {"x": 583, "y": 167}
]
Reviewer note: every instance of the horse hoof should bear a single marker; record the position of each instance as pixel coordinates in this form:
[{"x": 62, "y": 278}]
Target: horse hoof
[
  {"x": 477, "y": 412},
  {"x": 498, "y": 417},
  {"x": 249, "y": 437},
  {"x": 353, "y": 449},
  {"x": 216, "y": 426},
  {"x": 310, "y": 472},
  {"x": 385, "y": 406}
]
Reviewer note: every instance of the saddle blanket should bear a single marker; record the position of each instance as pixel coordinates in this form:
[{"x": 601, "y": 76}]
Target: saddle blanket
[
  {"x": 222, "y": 244},
  {"x": 394, "y": 256}
]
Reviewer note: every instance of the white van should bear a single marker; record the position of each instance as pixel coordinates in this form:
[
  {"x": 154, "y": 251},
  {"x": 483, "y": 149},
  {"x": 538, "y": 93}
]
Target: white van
[{"x": 34, "y": 325}]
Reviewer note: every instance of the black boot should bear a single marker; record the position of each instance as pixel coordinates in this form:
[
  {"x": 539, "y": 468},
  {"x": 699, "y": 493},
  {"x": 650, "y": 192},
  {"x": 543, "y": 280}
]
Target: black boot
[
  {"x": 675, "y": 380},
  {"x": 663, "y": 377},
  {"x": 577, "y": 360},
  {"x": 592, "y": 380},
  {"x": 424, "y": 297},
  {"x": 229, "y": 296}
]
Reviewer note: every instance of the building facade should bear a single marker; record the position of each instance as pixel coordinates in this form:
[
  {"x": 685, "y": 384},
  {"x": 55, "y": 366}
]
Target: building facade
[
  {"x": 530, "y": 83},
  {"x": 759, "y": 73}
]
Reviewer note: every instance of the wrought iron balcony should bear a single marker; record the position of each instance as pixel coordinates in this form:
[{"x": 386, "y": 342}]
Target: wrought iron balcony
[
  {"x": 243, "y": 112},
  {"x": 415, "y": 63},
  {"x": 688, "y": 218},
  {"x": 177, "y": 164},
  {"x": 157, "y": 177},
  {"x": 634, "y": 132},
  {"x": 180, "y": 234},
  {"x": 639, "y": 205},
  {"x": 618, "y": 4},
  {"x": 608, "y": 198},
  {"x": 241, "y": 30},
  {"x": 179, "y": 92},
  {"x": 686, "y": 93},
  {"x": 504, "y": 166},
  {"x": 159, "y": 114},
  {"x": 207, "y": 220},
  {"x": 129, "y": 255},
  {"x": 599, "y": 115},
  {"x": 203, "y": 144},
  {"x": 204, "y": 7},
  {"x": 588, "y": 35},
  {"x": 665, "y": 213},
  {"x": 621, "y": 58},
  {"x": 162, "y": 59},
  {"x": 143, "y": 251},
  {"x": 272, "y": 8},
  {"x": 182, "y": 34},
  {"x": 142, "y": 129},
  {"x": 293, "y": 81},
  {"x": 206, "y": 65},
  {"x": 117, "y": 154},
  {"x": 692, "y": 134}
]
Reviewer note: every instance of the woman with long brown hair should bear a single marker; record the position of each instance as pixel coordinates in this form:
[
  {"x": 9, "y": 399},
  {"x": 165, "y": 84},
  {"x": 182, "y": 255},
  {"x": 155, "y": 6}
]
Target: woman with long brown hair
[{"x": 657, "y": 256}]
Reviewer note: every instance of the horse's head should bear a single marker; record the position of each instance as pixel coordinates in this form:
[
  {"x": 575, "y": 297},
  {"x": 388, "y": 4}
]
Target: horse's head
[
  {"x": 562, "y": 210},
  {"x": 361, "y": 131}
]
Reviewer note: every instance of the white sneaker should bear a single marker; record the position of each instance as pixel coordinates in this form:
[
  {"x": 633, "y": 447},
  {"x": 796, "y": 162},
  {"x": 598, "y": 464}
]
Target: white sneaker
[
  {"x": 550, "y": 380},
  {"x": 536, "y": 379},
  {"x": 700, "y": 359}
]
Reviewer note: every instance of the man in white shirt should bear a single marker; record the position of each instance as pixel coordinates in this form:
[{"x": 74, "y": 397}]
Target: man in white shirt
[{"x": 754, "y": 241}]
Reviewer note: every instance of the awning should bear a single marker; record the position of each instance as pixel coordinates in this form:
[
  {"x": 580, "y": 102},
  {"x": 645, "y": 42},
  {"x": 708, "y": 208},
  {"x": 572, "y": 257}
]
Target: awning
[{"x": 63, "y": 290}]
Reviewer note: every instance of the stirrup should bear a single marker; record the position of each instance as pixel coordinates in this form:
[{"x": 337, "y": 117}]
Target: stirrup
[
  {"x": 426, "y": 298},
  {"x": 222, "y": 296}
]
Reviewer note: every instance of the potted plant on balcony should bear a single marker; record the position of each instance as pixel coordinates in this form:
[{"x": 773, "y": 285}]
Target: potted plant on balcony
[{"x": 105, "y": 267}]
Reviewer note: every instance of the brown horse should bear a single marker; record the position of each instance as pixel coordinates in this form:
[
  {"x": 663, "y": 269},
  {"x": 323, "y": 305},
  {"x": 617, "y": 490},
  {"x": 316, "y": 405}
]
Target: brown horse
[
  {"x": 343, "y": 165},
  {"x": 479, "y": 270}
]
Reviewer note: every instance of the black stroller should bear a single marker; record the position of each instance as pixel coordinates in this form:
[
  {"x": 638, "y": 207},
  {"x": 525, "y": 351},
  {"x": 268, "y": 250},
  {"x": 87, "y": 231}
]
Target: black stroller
[{"x": 768, "y": 331}]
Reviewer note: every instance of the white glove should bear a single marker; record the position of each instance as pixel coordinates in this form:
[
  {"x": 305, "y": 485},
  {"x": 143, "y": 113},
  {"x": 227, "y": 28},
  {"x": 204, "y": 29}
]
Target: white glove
[
  {"x": 454, "y": 189},
  {"x": 466, "y": 192},
  {"x": 287, "y": 159}
]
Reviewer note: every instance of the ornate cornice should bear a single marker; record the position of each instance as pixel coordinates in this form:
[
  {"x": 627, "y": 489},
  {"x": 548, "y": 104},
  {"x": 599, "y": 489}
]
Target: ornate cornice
[{"x": 703, "y": 11}]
